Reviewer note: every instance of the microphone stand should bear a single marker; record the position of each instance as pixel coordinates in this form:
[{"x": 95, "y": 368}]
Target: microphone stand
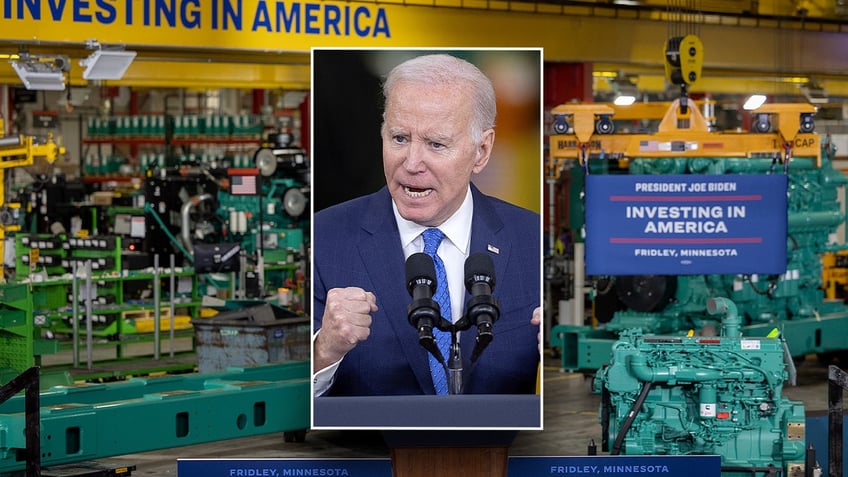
[
  {"x": 455, "y": 365},
  {"x": 483, "y": 313}
]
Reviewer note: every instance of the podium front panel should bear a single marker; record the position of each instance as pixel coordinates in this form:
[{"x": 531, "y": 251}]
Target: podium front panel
[{"x": 463, "y": 411}]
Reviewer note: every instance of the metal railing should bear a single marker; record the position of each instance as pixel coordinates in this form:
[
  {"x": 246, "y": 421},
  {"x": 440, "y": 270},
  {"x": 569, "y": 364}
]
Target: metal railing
[{"x": 28, "y": 382}]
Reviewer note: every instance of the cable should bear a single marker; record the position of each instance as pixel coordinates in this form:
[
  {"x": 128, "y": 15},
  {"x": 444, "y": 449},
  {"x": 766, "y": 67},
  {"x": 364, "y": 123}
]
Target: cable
[
  {"x": 768, "y": 292},
  {"x": 631, "y": 416}
]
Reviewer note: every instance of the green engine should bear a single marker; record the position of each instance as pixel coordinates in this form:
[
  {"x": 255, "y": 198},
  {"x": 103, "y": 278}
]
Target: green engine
[{"x": 705, "y": 395}]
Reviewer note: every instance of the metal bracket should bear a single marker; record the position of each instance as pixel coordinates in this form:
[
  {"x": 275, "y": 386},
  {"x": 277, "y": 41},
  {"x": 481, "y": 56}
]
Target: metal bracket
[{"x": 837, "y": 382}]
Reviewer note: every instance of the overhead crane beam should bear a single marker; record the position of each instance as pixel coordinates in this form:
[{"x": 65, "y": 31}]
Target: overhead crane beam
[
  {"x": 572, "y": 32},
  {"x": 144, "y": 74}
]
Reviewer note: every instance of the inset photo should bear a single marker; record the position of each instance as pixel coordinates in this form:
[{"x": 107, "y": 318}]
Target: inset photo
[{"x": 426, "y": 270}]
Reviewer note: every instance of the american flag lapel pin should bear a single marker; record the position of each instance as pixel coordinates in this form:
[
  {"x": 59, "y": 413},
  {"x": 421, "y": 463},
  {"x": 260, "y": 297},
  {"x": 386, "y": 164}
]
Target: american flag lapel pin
[{"x": 493, "y": 249}]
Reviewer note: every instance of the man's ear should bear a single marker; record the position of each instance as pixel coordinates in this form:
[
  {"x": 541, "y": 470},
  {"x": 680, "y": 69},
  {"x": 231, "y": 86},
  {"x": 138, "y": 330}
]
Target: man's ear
[{"x": 484, "y": 150}]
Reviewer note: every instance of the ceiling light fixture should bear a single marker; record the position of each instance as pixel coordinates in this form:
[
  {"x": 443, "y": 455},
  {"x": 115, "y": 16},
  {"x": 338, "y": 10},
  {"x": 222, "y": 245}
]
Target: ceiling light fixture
[
  {"x": 624, "y": 100},
  {"x": 626, "y": 91},
  {"x": 106, "y": 64},
  {"x": 41, "y": 73},
  {"x": 754, "y": 101},
  {"x": 814, "y": 92}
]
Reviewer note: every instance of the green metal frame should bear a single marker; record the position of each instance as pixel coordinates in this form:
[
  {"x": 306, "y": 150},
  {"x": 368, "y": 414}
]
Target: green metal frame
[
  {"x": 89, "y": 421},
  {"x": 17, "y": 343},
  {"x": 582, "y": 347},
  {"x": 27, "y": 309}
]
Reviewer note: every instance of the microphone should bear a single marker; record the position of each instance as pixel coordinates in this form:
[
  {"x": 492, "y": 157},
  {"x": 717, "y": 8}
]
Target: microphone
[
  {"x": 482, "y": 309},
  {"x": 423, "y": 312}
]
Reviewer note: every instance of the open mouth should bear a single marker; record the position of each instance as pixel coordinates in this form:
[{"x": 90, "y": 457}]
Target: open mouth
[{"x": 416, "y": 193}]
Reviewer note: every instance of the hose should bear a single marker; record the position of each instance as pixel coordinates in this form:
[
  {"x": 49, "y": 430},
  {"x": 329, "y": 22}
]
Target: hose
[
  {"x": 185, "y": 216},
  {"x": 148, "y": 208},
  {"x": 631, "y": 416}
]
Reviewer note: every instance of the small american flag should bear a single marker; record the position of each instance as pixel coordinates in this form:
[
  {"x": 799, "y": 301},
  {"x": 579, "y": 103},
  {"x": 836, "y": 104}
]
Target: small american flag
[{"x": 243, "y": 185}]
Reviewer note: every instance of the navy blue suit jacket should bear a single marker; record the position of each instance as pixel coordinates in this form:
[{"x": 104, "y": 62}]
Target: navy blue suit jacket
[{"x": 357, "y": 244}]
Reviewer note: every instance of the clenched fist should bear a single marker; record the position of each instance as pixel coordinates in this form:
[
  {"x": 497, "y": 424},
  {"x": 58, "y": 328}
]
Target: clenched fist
[{"x": 346, "y": 322}]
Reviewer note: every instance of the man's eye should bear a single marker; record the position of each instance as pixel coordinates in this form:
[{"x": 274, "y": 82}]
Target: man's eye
[
  {"x": 437, "y": 145},
  {"x": 400, "y": 139}
]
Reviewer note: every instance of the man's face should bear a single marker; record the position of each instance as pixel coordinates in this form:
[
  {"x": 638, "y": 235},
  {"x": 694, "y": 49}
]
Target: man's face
[{"x": 428, "y": 155}]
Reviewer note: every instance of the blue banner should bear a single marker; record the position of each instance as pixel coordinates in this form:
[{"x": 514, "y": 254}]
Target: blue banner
[
  {"x": 616, "y": 466},
  {"x": 571, "y": 466},
  {"x": 284, "y": 467},
  {"x": 685, "y": 224}
]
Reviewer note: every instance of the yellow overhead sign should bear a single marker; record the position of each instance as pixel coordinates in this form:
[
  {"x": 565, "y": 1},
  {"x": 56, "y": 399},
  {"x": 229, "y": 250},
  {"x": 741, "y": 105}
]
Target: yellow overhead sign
[{"x": 232, "y": 24}]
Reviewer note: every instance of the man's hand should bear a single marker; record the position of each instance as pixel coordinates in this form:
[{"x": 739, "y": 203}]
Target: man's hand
[
  {"x": 536, "y": 320},
  {"x": 346, "y": 322}
]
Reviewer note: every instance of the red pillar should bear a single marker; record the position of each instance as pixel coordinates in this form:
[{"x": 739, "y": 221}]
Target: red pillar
[
  {"x": 566, "y": 82},
  {"x": 132, "y": 111},
  {"x": 304, "y": 124},
  {"x": 258, "y": 101}
]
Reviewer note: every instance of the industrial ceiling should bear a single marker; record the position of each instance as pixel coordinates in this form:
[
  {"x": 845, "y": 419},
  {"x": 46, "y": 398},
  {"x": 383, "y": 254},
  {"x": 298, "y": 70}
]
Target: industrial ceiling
[{"x": 750, "y": 46}]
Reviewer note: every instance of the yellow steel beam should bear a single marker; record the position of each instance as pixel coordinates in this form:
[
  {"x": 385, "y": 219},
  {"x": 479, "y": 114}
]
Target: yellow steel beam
[
  {"x": 216, "y": 75},
  {"x": 691, "y": 143},
  {"x": 159, "y": 74},
  {"x": 590, "y": 32},
  {"x": 284, "y": 32},
  {"x": 724, "y": 82},
  {"x": 213, "y": 54},
  {"x": 647, "y": 111},
  {"x": 673, "y": 142}
]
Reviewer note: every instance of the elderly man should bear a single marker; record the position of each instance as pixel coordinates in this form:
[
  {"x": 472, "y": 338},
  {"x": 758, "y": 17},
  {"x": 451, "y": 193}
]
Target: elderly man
[{"x": 438, "y": 131}]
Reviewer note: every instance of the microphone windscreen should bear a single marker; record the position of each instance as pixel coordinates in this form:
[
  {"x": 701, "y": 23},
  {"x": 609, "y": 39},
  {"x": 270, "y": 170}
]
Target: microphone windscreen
[
  {"x": 480, "y": 265},
  {"x": 420, "y": 265}
]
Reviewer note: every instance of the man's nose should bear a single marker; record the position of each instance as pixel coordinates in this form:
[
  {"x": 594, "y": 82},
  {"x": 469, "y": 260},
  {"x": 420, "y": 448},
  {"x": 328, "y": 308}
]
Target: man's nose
[{"x": 415, "y": 158}]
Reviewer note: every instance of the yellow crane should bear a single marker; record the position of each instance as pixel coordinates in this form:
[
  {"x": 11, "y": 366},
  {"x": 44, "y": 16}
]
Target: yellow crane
[{"x": 19, "y": 151}]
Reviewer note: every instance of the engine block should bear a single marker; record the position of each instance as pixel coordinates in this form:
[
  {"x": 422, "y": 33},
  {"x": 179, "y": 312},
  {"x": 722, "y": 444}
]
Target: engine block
[{"x": 705, "y": 395}]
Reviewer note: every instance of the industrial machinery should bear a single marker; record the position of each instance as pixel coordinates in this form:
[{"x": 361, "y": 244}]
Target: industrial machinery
[
  {"x": 793, "y": 301},
  {"x": 707, "y": 395},
  {"x": 695, "y": 363},
  {"x": 258, "y": 206},
  {"x": 16, "y": 334},
  {"x": 19, "y": 151},
  {"x": 233, "y": 230},
  {"x": 231, "y": 214}
]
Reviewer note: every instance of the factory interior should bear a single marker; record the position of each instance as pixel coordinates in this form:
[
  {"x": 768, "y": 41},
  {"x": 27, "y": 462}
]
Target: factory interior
[{"x": 161, "y": 162}]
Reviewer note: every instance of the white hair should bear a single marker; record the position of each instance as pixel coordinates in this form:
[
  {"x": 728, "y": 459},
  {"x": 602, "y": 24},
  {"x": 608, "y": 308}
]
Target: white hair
[{"x": 442, "y": 69}]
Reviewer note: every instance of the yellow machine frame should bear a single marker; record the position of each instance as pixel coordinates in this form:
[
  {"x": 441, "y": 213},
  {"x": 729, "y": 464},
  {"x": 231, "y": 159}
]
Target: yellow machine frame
[{"x": 676, "y": 138}]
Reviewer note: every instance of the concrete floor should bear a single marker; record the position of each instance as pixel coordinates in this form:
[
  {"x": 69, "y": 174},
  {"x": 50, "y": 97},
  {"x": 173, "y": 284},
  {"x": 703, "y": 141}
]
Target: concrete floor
[{"x": 570, "y": 423}]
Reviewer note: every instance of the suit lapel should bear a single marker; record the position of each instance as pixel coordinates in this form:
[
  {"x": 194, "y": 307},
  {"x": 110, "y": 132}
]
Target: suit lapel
[{"x": 383, "y": 257}]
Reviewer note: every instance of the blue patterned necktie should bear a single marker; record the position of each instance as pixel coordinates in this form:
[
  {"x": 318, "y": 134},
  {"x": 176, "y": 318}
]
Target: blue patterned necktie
[{"x": 432, "y": 239}]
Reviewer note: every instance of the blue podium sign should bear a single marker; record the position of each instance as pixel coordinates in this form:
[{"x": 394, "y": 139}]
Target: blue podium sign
[
  {"x": 570, "y": 466},
  {"x": 284, "y": 467},
  {"x": 685, "y": 224},
  {"x": 616, "y": 466}
]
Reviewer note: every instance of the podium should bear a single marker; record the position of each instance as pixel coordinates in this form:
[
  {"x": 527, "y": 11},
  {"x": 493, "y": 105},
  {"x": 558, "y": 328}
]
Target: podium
[{"x": 465, "y": 435}]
